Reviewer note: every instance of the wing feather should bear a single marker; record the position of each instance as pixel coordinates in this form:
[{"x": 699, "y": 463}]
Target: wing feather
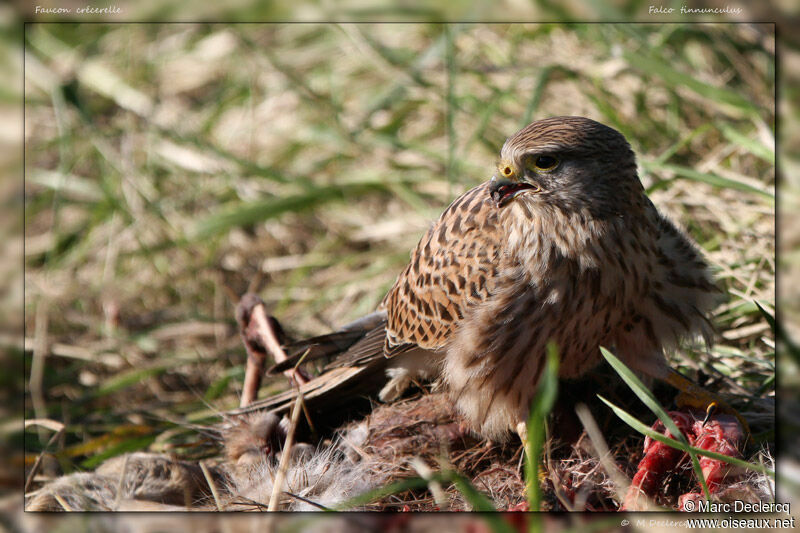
[{"x": 452, "y": 268}]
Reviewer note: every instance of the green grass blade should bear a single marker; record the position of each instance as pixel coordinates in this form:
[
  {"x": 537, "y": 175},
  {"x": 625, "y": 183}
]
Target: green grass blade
[
  {"x": 536, "y": 94},
  {"x": 541, "y": 406},
  {"x": 650, "y": 401},
  {"x": 751, "y": 145},
  {"x": 676, "y": 79},
  {"x": 68, "y": 185},
  {"x": 792, "y": 349},
  {"x": 672, "y": 150},
  {"x": 382, "y": 492},
  {"x": 769, "y": 317},
  {"x": 242, "y": 214},
  {"x": 643, "y": 393},
  {"x": 127, "y": 446},
  {"x": 705, "y": 177},
  {"x": 450, "y": 101},
  {"x": 655, "y": 435},
  {"x": 478, "y": 501},
  {"x": 131, "y": 377}
]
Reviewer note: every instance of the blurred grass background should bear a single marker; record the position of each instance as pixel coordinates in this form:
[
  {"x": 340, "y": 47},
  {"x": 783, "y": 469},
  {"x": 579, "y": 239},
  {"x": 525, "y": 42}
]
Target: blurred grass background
[{"x": 170, "y": 167}]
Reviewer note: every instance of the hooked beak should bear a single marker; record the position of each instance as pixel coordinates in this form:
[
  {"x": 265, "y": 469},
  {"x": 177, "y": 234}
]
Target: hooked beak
[{"x": 503, "y": 191}]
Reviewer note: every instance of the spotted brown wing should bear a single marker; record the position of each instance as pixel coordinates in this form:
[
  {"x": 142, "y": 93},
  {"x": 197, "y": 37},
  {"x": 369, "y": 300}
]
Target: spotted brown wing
[{"x": 453, "y": 266}]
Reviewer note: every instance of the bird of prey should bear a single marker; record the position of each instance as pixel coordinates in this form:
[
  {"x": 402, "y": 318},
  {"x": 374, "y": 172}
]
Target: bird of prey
[{"x": 561, "y": 244}]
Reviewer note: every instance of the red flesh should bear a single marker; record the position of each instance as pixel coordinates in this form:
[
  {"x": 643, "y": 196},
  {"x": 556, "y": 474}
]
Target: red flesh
[{"x": 721, "y": 433}]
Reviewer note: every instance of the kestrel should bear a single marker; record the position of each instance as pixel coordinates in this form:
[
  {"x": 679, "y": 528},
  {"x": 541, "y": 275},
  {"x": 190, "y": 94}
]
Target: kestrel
[{"x": 562, "y": 245}]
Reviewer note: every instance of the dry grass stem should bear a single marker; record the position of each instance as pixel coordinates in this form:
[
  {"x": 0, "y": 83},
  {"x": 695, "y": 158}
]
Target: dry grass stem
[
  {"x": 121, "y": 483},
  {"x": 283, "y": 465},
  {"x": 602, "y": 453},
  {"x": 55, "y": 426},
  {"x": 212, "y": 485}
]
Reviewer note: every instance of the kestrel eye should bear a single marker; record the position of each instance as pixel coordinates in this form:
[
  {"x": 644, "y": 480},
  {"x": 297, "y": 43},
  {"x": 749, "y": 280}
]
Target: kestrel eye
[{"x": 545, "y": 162}]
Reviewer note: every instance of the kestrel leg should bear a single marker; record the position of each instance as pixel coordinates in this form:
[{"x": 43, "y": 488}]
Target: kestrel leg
[{"x": 522, "y": 431}]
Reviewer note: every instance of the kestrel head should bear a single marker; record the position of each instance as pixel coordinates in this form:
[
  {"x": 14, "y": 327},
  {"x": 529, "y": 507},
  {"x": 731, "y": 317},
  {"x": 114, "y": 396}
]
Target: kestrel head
[{"x": 573, "y": 163}]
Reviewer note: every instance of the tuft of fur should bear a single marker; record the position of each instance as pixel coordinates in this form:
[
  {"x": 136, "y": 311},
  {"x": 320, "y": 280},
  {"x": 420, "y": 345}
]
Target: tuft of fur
[
  {"x": 328, "y": 475},
  {"x": 123, "y": 480}
]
